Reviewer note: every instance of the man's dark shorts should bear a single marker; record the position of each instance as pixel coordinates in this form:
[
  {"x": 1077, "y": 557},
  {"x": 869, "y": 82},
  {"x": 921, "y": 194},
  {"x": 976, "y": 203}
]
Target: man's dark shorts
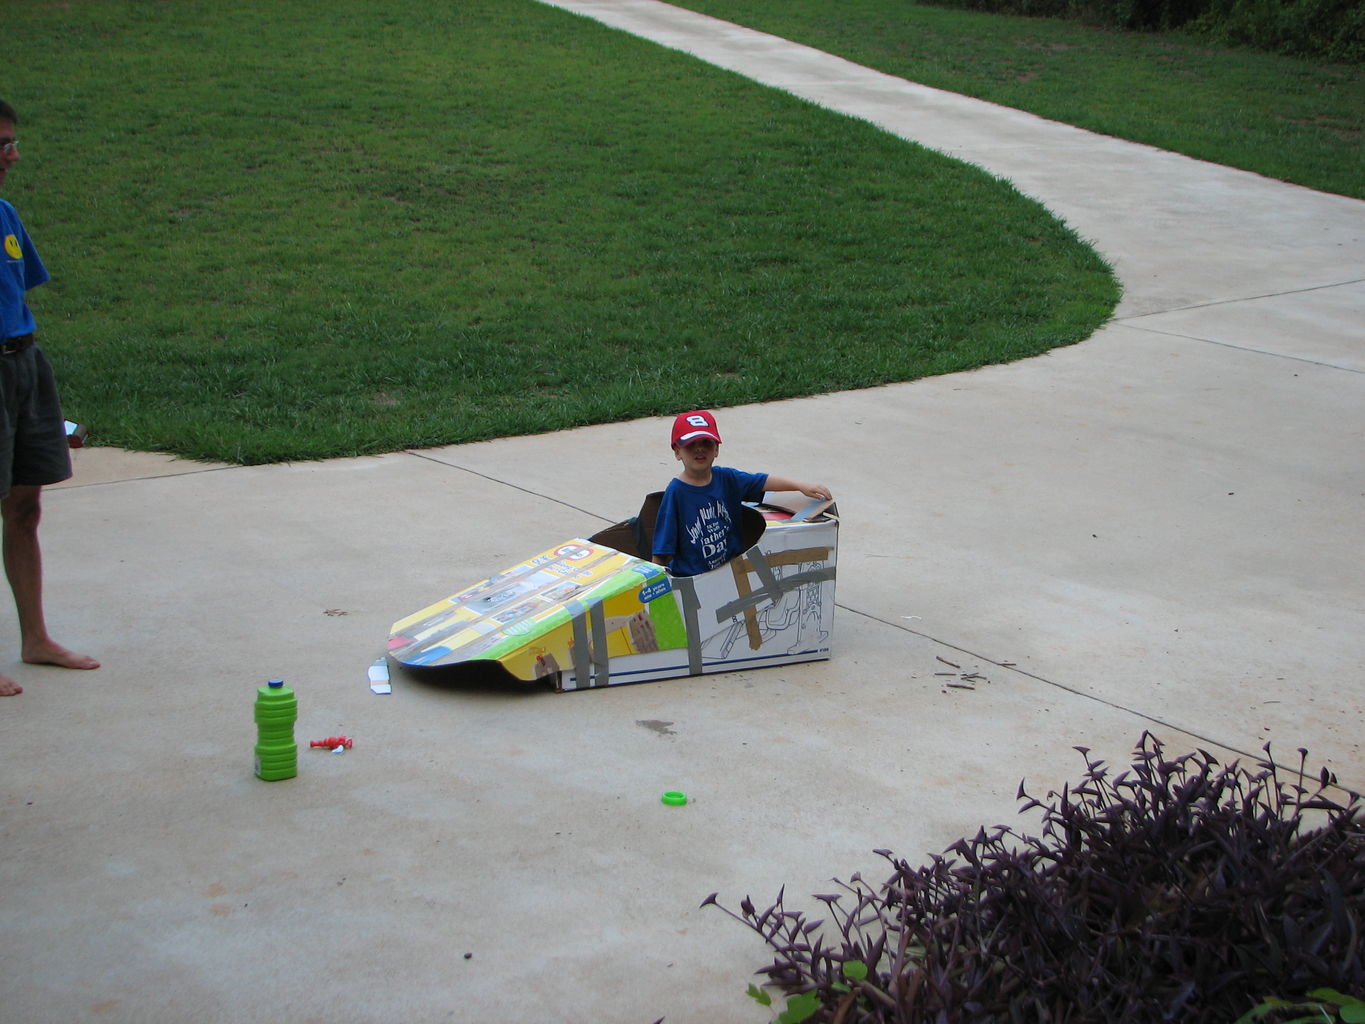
[{"x": 33, "y": 446}]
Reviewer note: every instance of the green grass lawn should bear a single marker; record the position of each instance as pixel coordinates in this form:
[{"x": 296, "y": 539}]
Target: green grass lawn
[
  {"x": 1295, "y": 120},
  {"x": 290, "y": 230}
]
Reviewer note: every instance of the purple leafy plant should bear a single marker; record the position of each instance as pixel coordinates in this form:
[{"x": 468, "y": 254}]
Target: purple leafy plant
[{"x": 1177, "y": 890}]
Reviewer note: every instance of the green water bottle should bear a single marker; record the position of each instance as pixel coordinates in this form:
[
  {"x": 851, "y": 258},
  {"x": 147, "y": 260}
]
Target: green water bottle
[{"x": 277, "y": 755}]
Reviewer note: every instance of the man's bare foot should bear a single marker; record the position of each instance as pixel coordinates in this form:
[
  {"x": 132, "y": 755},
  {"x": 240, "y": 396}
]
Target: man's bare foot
[
  {"x": 49, "y": 653},
  {"x": 8, "y": 687}
]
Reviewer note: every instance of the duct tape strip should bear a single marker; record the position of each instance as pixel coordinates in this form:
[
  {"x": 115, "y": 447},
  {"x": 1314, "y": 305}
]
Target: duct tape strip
[
  {"x": 758, "y": 563},
  {"x": 768, "y": 593},
  {"x": 800, "y": 579},
  {"x": 739, "y": 569},
  {"x": 687, "y": 594},
  {"x": 773, "y": 588},
  {"x": 581, "y": 671},
  {"x": 601, "y": 657}
]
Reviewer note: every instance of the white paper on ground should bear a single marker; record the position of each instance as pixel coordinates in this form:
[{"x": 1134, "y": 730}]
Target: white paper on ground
[{"x": 379, "y": 676}]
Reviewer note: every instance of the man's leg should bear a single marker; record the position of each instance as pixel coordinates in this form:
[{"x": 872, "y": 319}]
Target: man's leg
[
  {"x": 8, "y": 687},
  {"x": 21, "y": 511}
]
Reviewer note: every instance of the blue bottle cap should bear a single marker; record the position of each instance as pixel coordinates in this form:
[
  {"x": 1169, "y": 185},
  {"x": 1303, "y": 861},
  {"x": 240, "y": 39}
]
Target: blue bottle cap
[{"x": 275, "y": 682}]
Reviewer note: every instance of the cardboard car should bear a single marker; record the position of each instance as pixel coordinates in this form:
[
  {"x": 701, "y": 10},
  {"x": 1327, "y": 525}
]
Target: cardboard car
[{"x": 597, "y": 612}]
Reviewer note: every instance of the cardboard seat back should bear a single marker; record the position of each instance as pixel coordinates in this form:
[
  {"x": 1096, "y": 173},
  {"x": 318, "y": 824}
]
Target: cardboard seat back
[{"x": 635, "y": 536}]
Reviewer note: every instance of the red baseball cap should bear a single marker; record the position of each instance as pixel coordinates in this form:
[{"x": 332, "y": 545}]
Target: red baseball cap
[{"x": 689, "y": 426}]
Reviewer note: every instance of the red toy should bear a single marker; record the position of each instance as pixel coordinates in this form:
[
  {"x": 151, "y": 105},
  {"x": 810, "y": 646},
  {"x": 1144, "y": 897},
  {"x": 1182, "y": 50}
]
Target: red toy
[{"x": 333, "y": 741}]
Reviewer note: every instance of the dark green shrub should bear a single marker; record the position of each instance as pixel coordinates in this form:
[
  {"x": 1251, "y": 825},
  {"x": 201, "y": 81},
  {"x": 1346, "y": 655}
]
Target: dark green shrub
[
  {"x": 1125, "y": 14},
  {"x": 1178, "y": 889},
  {"x": 1325, "y": 29},
  {"x": 1334, "y": 29}
]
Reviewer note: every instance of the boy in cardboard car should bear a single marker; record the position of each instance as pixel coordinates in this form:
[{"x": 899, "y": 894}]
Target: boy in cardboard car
[{"x": 697, "y": 528}]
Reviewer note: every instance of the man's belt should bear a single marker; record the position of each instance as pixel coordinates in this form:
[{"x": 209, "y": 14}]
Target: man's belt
[{"x": 13, "y": 345}]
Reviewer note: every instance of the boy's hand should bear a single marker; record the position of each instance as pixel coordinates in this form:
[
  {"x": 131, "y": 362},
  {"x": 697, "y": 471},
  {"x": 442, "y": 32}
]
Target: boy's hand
[{"x": 816, "y": 491}]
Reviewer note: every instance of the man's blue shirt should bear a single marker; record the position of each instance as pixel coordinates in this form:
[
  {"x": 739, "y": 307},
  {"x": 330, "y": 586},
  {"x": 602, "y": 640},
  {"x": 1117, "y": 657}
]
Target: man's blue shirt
[
  {"x": 20, "y": 269},
  {"x": 698, "y": 528}
]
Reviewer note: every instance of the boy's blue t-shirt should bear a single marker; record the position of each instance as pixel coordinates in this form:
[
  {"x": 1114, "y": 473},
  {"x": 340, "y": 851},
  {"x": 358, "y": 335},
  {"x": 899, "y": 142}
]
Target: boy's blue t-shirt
[
  {"x": 20, "y": 270},
  {"x": 698, "y": 528}
]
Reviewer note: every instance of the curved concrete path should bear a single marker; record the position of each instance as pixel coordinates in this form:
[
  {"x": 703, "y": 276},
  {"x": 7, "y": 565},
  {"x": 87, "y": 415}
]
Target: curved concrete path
[{"x": 1158, "y": 529}]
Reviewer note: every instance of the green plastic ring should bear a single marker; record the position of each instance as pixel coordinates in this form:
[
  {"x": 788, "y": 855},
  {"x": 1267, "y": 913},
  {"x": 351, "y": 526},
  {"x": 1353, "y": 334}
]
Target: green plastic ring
[{"x": 674, "y": 799}]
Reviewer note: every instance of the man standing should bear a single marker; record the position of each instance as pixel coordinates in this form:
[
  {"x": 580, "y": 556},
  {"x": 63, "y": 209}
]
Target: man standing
[{"x": 33, "y": 445}]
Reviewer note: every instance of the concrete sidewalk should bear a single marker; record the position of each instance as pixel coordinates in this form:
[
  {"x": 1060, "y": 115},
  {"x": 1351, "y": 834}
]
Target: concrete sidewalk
[{"x": 1159, "y": 529}]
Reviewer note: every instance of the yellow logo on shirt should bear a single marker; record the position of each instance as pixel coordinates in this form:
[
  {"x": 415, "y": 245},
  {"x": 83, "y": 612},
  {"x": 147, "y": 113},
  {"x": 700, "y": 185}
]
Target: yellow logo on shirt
[{"x": 12, "y": 248}]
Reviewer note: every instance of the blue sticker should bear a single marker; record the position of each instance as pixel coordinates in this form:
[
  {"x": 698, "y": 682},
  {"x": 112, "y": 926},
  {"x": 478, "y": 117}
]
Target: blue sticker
[{"x": 655, "y": 590}]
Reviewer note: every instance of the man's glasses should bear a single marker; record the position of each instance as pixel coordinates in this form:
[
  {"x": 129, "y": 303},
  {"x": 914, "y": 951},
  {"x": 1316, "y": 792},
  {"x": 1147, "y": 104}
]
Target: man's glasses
[{"x": 9, "y": 148}]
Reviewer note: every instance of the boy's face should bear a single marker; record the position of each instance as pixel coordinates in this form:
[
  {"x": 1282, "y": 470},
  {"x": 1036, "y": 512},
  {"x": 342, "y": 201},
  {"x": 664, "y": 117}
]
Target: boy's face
[
  {"x": 8, "y": 158},
  {"x": 697, "y": 456}
]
